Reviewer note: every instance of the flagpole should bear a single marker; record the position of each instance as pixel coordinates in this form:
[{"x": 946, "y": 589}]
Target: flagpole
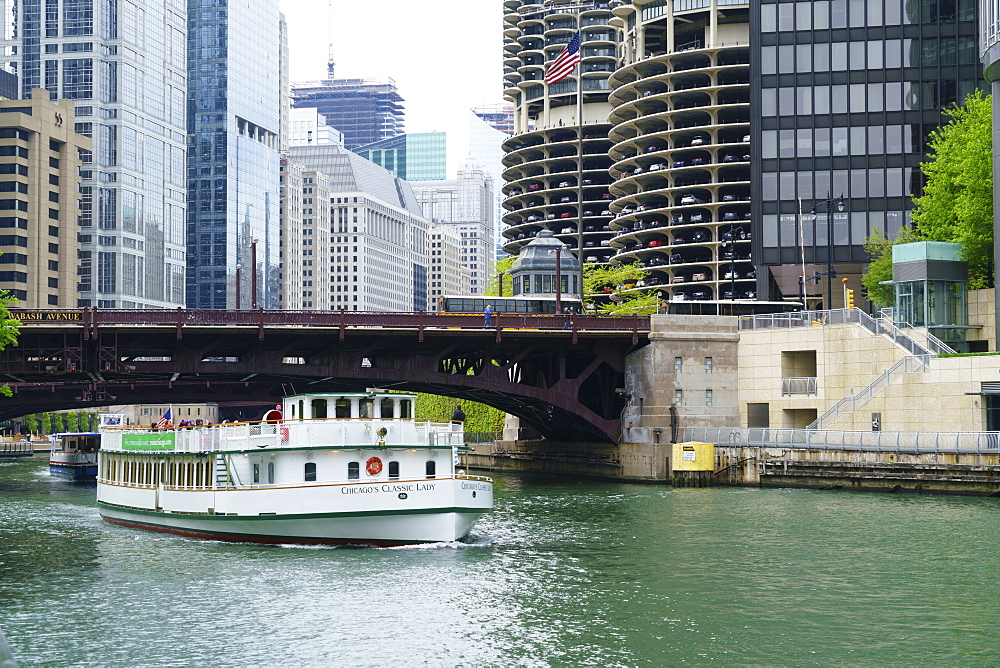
[{"x": 579, "y": 170}]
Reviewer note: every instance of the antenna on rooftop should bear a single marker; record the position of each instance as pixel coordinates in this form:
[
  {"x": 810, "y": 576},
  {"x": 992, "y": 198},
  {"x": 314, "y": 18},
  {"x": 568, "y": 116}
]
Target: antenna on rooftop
[{"x": 330, "y": 65}]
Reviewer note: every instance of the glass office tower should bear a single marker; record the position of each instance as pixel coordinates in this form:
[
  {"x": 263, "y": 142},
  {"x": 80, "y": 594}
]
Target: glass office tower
[
  {"x": 233, "y": 159},
  {"x": 844, "y": 94},
  {"x": 415, "y": 156},
  {"x": 123, "y": 65}
]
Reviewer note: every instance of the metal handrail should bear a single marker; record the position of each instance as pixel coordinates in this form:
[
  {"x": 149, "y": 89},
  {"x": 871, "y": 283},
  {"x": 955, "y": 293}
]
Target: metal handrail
[
  {"x": 884, "y": 379},
  {"x": 972, "y": 442}
]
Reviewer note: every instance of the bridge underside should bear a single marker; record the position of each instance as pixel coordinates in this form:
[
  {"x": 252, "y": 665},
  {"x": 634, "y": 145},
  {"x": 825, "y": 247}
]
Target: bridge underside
[{"x": 567, "y": 385}]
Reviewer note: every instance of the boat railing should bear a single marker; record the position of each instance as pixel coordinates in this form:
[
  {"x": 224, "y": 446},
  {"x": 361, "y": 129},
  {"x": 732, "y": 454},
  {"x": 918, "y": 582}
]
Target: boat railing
[
  {"x": 239, "y": 485},
  {"x": 345, "y": 432}
]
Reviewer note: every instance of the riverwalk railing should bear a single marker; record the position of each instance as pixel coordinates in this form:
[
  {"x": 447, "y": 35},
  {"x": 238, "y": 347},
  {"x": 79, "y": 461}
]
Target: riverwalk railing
[
  {"x": 914, "y": 442},
  {"x": 16, "y": 449}
]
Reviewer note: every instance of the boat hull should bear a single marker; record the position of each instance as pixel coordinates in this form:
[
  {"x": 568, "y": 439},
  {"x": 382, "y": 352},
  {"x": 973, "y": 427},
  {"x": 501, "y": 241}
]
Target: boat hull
[
  {"x": 81, "y": 468},
  {"x": 374, "y": 528}
]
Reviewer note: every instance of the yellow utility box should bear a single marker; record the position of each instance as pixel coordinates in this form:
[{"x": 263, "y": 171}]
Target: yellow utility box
[{"x": 693, "y": 456}]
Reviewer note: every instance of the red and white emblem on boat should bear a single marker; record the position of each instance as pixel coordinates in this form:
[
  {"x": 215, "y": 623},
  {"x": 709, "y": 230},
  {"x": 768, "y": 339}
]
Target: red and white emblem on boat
[
  {"x": 284, "y": 432},
  {"x": 373, "y": 466}
]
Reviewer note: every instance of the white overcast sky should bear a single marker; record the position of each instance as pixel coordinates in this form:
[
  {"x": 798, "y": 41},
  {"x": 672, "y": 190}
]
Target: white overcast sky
[{"x": 445, "y": 55}]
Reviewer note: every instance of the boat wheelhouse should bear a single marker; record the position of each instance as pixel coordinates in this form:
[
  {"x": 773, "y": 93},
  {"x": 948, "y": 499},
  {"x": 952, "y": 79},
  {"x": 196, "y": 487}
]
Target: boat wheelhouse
[
  {"x": 73, "y": 455},
  {"x": 323, "y": 468}
]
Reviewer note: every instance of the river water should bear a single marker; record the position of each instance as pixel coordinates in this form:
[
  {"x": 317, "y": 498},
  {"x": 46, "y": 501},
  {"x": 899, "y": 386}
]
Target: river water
[{"x": 562, "y": 573}]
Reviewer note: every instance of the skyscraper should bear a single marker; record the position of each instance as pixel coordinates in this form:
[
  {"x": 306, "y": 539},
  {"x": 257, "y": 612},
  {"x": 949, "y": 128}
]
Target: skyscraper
[
  {"x": 558, "y": 156},
  {"x": 365, "y": 110},
  {"x": 681, "y": 157},
  {"x": 467, "y": 204},
  {"x": 489, "y": 127},
  {"x": 233, "y": 143},
  {"x": 40, "y": 163},
  {"x": 377, "y": 246},
  {"x": 124, "y": 67},
  {"x": 757, "y": 141},
  {"x": 848, "y": 94},
  {"x": 415, "y": 156}
]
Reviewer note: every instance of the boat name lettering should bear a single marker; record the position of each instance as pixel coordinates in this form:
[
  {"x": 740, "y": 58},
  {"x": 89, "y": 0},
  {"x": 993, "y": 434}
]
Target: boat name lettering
[
  {"x": 359, "y": 490},
  {"x": 392, "y": 489},
  {"x": 481, "y": 486}
]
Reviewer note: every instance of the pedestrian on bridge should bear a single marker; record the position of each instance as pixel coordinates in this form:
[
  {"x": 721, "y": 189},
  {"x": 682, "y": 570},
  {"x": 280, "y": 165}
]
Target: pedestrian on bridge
[{"x": 488, "y": 316}]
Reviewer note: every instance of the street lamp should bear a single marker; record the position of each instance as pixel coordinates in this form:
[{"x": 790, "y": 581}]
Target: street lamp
[
  {"x": 239, "y": 302},
  {"x": 253, "y": 275},
  {"x": 828, "y": 205},
  {"x": 558, "y": 252}
]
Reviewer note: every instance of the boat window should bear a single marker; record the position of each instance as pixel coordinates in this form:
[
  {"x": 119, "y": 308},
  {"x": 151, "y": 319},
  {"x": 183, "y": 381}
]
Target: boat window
[
  {"x": 393, "y": 470},
  {"x": 310, "y": 472},
  {"x": 302, "y": 413},
  {"x": 270, "y": 473},
  {"x": 319, "y": 409},
  {"x": 404, "y": 409},
  {"x": 256, "y": 472},
  {"x": 367, "y": 408},
  {"x": 386, "y": 408},
  {"x": 343, "y": 408},
  {"x": 431, "y": 468},
  {"x": 353, "y": 470}
]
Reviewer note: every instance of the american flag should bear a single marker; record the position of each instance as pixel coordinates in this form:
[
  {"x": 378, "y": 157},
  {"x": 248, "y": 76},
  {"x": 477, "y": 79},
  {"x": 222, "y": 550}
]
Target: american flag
[
  {"x": 163, "y": 421},
  {"x": 563, "y": 65}
]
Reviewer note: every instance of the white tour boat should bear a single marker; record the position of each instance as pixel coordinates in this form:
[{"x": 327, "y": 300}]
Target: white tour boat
[{"x": 330, "y": 468}]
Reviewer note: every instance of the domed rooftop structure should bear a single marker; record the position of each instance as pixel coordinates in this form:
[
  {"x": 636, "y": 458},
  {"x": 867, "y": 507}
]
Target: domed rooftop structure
[{"x": 534, "y": 270}]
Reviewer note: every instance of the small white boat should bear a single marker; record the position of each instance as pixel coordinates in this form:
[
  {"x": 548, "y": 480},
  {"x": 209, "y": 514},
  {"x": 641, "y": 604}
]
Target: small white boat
[
  {"x": 73, "y": 455},
  {"x": 330, "y": 468}
]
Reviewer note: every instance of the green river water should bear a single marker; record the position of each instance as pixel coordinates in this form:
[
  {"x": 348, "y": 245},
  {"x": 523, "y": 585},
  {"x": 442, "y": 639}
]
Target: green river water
[{"x": 562, "y": 573}]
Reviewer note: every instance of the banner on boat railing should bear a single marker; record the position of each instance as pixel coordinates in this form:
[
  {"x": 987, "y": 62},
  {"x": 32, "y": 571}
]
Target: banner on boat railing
[{"x": 164, "y": 441}]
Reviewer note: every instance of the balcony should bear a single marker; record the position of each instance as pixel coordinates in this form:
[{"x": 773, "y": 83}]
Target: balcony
[{"x": 798, "y": 386}]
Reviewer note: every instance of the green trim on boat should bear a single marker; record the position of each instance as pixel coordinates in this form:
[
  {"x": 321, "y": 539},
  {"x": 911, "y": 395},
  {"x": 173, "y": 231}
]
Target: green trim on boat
[{"x": 303, "y": 516}]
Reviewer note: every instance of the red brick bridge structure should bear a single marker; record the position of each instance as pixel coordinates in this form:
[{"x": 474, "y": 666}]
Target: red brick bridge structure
[{"x": 563, "y": 376}]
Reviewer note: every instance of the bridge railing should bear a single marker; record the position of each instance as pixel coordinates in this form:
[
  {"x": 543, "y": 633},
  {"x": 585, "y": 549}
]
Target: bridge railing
[
  {"x": 352, "y": 319},
  {"x": 972, "y": 442}
]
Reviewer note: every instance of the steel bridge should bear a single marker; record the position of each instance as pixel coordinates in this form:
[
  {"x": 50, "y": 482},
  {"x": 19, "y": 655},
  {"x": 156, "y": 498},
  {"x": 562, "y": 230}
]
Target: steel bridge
[{"x": 562, "y": 375}]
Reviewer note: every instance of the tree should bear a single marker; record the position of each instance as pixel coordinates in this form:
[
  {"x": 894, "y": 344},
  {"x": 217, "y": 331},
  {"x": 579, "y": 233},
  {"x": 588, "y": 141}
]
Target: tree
[
  {"x": 9, "y": 329},
  {"x": 879, "y": 249},
  {"x": 46, "y": 423},
  {"x": 73, "y": 421},
  {"x": 620, "y": 280},
  {"x": 502, "y": 266},
  {"x": 31, "y": 422},
  {"x": 957, "y": 204}
]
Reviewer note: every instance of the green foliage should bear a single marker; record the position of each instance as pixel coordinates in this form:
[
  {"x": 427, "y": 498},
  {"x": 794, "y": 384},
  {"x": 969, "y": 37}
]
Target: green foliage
[
  {"x": 57, "y": 422},
  {"x": 478, "y": 417},
  {"x": 502, "y": 266},
  {"x": 46, "y": 423},
  {"x": 619, "y": 280},
  {"x": 31, "y": 422},
  {"x": 88, "y": 421},
  {"x": 879, "y": 249},
  {"x": 73, "y": 421},
  {"x": 9, "y": 329},
  {"x": 957, "y": 204}
]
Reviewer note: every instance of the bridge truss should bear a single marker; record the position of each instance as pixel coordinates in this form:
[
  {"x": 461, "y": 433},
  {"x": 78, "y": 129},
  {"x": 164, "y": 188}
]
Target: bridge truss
[{"x": 564, "y": 376}]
